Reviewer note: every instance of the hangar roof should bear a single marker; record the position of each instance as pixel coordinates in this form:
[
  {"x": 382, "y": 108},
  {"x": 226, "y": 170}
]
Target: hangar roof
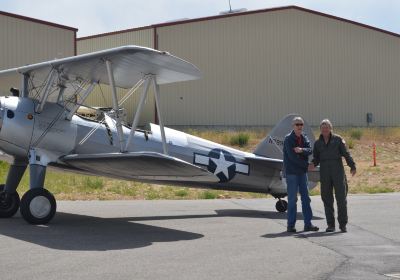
[
  {"x": 38, "y": 21},
  {"x": 241, "y": 14}
]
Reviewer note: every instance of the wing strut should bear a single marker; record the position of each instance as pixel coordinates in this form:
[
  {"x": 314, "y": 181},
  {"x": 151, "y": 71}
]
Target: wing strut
[
  {"x": 160, "y": 119},
  {"x": 149, "y": 78},
  {"x": 24, "y": 85},
  {"x": 115, "y": 105},
  {"x": 139, "y": 110},
  {"x": 46, "y": 90}
]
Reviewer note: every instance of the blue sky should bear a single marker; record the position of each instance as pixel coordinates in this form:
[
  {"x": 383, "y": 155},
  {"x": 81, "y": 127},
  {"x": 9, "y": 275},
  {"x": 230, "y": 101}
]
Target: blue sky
[{"x": 93, "y": 17}]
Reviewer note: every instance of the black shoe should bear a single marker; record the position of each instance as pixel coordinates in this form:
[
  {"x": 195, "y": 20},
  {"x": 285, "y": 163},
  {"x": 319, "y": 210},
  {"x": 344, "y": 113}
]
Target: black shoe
[
  {"x": 330, "y": 229},
  {"x": 291, "y": 229},
  {"x": 343, "y": 228},
  {"x": 311, "y": 228}
]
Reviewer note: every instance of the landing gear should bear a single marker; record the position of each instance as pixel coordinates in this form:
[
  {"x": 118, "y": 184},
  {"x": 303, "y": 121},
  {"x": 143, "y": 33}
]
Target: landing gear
[
  {"x": 38, "y": 206},
  {"x": 9, "y": 198},
  {"x": 9, "y": 203},
  {"x": 281, "y": 205}
]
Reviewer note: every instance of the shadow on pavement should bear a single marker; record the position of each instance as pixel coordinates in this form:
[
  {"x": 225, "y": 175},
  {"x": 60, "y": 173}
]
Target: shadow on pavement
[
  {"x": 86, "y": 233},
  {"x": 239, "y": 213},
  {"x": 301, "y": 234}
]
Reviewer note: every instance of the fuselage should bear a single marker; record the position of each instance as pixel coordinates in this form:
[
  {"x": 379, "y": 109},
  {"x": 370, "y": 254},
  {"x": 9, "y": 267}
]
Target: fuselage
[{"x": 23, "y": 129}]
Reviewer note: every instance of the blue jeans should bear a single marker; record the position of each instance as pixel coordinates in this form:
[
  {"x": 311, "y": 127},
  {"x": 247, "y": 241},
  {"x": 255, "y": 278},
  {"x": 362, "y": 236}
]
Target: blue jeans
[{"x": 298, "y": 183}]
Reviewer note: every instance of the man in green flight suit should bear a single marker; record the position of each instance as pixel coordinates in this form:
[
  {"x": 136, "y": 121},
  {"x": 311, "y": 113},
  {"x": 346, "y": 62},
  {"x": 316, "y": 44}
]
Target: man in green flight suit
[{"x": 328, "y": 152}]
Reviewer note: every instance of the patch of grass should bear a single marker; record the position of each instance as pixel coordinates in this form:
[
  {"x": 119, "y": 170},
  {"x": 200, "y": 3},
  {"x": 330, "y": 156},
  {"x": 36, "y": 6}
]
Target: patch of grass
[
  {"x": 371, "y": 189},
  {"x": 350, "y": 144},
  {"x": 241, "y": 139},
  {"x": 356, "y": 133},
  {"x": 94, "y": 183},
  {"x": 181, "y": 193},
  {"x": 208, "y": 195},
  {"x": 152, "y": 194}
]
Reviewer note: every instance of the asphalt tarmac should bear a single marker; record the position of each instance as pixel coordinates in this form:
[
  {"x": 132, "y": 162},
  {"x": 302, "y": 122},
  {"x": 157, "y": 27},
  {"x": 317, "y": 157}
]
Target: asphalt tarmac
[{"x": 207, "y": 239}]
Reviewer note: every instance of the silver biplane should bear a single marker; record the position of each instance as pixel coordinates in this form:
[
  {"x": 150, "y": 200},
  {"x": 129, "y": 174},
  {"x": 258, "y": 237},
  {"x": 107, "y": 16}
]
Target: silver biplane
[{"x": 40, "y": 128}]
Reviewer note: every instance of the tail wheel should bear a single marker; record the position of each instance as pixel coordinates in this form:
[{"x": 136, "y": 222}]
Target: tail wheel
[
  {"x": 281, "y": 205},
  {"x": 9, "y": 203},
  {"x": 38, "y": 206}
]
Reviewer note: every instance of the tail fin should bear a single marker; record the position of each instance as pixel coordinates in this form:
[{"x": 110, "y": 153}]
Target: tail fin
[{"x": 272, "y": 145}]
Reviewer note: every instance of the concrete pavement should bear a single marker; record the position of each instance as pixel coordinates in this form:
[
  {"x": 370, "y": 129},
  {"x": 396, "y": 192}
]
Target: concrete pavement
[{"x": 204, "y": 239}]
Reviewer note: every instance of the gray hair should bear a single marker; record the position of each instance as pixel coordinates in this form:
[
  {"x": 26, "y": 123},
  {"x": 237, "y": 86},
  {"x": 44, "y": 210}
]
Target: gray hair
[
  {"x": 327, "y": 123},
  {"x": 297, "y": 119}
]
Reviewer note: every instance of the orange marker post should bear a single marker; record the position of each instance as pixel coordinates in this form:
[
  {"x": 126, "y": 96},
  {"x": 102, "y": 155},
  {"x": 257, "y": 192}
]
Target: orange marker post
[{"x": 374, "y": 153}]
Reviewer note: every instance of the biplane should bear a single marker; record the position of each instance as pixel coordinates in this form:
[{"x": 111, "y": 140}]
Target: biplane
[{"x": 40, "y": 128}]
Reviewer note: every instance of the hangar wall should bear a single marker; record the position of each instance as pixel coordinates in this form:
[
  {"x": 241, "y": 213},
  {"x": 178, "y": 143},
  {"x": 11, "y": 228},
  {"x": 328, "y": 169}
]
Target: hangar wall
[
  {"x": 260, "y": 65},
  {"x": 26, "y": 41},
  {"x": 102, "y": 96}
]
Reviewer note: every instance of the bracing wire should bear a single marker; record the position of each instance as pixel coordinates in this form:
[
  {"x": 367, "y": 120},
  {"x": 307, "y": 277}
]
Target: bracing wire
[{"x": 121, "y": 102}]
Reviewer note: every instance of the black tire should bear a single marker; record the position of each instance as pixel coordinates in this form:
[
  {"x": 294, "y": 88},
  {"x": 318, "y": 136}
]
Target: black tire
[
  {"x": 281, "y": 205},
  {"x": 38, "y": 206},
  {"x": 9, "y": 203}
]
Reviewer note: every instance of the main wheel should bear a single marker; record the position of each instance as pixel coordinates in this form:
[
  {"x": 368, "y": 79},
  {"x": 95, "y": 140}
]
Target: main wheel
[
  {"x": 9, "y": 203},
  {"x": 281, "y": 205},
  {"x": 38, "y": 206}
]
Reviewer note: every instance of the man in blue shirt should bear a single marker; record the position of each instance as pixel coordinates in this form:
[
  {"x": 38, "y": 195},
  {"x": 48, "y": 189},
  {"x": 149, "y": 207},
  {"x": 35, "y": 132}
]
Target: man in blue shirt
[{"x": 296, "y": 149}]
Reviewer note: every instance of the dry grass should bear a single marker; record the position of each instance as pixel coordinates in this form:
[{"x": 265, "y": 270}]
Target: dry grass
[{"x": 383, "y": 178}]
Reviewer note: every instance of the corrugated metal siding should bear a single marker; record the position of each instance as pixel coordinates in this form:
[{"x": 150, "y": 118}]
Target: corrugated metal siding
[
  {"x": 143, "y": 37},
  {"x": 26, "y": 42},
  {"x": 102, "y": 97},
  {"x": 260, "y": 67}
]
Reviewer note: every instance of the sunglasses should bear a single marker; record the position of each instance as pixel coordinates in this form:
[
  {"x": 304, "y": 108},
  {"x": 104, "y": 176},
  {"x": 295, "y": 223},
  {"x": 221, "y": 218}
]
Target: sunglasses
[{"x": 299, "y": 124}]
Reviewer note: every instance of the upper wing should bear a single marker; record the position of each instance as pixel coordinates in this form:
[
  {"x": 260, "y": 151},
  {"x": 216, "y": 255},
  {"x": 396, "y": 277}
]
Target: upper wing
[
  {"x": 141, "y": 166},
  {"x": 129, "y": 64},
  {"x": 65, "y": 81}
]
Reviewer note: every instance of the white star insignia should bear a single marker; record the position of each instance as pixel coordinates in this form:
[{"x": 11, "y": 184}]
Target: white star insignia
[{"x": 222, "y": 165}]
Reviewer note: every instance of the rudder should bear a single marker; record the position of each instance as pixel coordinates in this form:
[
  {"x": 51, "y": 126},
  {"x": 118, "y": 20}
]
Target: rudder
[{"x": 272, "y": 145}]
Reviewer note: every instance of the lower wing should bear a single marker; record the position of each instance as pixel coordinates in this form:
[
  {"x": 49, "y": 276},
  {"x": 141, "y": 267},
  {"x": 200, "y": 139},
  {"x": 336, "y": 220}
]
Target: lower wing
[{"x": 140, "y": 166}]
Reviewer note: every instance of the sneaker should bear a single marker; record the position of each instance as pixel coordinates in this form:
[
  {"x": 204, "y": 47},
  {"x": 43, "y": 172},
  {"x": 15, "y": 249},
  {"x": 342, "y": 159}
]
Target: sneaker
[
  {"x": 291, "y": 229},
  {"x": 330, "y": 229},
  {"x": 311, "y": 228},
  {"x": 343, "y": 228}
]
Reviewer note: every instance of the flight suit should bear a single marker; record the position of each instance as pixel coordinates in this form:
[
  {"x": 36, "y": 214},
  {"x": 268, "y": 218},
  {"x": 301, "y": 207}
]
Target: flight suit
[{"x": 329, "y": 157}]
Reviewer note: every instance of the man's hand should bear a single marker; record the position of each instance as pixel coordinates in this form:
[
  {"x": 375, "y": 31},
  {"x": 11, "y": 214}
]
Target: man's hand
[
  {"x": 298, "y": 150},
  {"x": 353, "y": 172},
  {"x": 311, "y": 167}
]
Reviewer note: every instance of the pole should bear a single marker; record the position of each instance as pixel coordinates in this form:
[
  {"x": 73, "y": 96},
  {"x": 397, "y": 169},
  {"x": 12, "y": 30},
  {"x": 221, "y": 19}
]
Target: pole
[{"x": 374, "y": 153}]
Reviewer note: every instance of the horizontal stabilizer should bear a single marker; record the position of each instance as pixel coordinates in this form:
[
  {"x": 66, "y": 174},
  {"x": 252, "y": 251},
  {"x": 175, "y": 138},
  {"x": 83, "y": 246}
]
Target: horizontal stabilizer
[
  {"x": 267, "y": 162},
  {"x": 140, "y": 166},
  {"x": 270, "y": 163}
]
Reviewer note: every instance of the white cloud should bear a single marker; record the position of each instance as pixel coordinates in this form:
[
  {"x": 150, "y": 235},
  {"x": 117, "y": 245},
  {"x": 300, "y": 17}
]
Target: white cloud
[{"x": 92, "y": 17}]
